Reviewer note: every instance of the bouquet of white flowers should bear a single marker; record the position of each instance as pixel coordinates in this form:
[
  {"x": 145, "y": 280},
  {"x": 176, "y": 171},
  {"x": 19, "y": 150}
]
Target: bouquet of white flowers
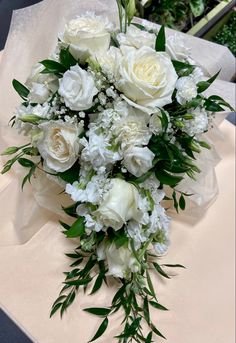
[{"x": 116, "y": 117}]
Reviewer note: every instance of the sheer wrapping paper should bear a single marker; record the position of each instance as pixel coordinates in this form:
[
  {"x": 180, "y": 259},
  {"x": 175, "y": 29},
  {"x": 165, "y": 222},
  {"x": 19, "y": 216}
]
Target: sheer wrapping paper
[{"x": 32, "y": 37}]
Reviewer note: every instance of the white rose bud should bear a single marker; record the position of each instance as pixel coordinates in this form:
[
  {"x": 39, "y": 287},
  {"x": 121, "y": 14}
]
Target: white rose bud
[
  {"x": 147, "y": 78},
  {"x": 119, "y": 204},
  {"x": 41, "y": 86},
  {"x": 186, "y": 89},
  {"x": 59, "y": 144},
  {"x": 121, "y": 261},
  {"x": 77, "y": 88},
  {"x": 138, "y": 160},
  {"x": 87, "y": 35}
]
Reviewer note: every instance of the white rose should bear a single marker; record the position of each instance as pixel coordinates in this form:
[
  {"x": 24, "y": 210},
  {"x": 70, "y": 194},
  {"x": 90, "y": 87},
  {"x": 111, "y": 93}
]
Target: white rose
[
  {"x": 176, "y": 48},
  {"x": 77, "y": 88},
  {"x": 186, "y": 89},
  {"x": 41, "y": 86},
  {"x": 136, "y": 38},
  {"x": 87, "y": 35},
  {"x": 119, "y": 204},
  {"x": 121, "y": 261},
  {"x": 138, "y": 160},
  {"x": 59, "y": 144},
  {"x": 147, "y": 78}
]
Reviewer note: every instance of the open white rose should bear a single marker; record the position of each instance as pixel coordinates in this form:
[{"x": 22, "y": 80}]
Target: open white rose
[
  {"x": 136, "y": 38},
  {"x": 41, "y": 86},
  {"x": 147, "y": 78},
  {"x": 87, "y": 35},
  {"x": 121, "y": 261},
  {"x": 119, "y": 204},
  {"x": 176, "y": 48},
  {"x": 77, "y": 88},
  {"x": 59, "y": 144},
  {"x": 186, "y": 89},
  {"x": 138, "y": 160}
]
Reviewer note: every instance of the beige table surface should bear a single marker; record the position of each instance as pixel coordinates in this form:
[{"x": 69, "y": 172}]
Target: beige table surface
[{"x": 200, "y": 298}]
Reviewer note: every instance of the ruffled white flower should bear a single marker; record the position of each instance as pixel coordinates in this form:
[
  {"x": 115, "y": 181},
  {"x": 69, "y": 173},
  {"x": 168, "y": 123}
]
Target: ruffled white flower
[
  {"x": 147, "y": 78},
  {"x": 186, "y": 89},
  {"x": 59, "y": 144},
  {"x": 176, "y": 48},
  {"x": 41, "y": 86},
  {"x": 136, "y": 38},
  {"x": 138, "y": 160},
  {"x": 109, "y": 61},
  {"x": 98, "y": 151},
  {"x": 132, "y": 129},
  {"x": 197, "y": 125},
  {"x": 87, "y": 35},
  {"x": 77, "y": 88},
  {"x": 121, "y": 261},
  {"x": 119, "y": 205},
  {"x": 92, "y": 192},
  {"x": 91, "y": 223}
]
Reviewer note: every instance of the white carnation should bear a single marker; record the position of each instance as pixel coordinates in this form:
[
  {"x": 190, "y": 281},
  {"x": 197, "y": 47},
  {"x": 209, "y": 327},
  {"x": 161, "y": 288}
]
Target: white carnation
[
  {"x": 136, "y": 38},
  {"x": 197, "y": 125},
  {"x": 176, "y": 48},
  {"x": 77, "y": 88},
  {"x": 186, "y": 89}
]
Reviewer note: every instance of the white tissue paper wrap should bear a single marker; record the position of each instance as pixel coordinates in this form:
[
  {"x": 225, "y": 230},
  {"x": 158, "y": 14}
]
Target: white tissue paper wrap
[{"x": 33, "y": 35}]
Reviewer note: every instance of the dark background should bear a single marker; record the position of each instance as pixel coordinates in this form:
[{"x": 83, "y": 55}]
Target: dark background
[{"x": 9, "y": 332}]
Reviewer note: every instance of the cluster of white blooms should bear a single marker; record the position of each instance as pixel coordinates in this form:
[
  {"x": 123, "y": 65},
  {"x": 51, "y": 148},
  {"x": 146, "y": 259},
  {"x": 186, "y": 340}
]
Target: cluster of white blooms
[{"x": 99, "y": 115}]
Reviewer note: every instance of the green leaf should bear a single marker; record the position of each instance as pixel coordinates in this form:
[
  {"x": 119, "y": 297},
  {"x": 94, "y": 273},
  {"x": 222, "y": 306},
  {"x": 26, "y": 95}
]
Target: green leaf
[
  {"x": 55, "y": 309},
  {"x": 146, "y": 310},
  {"x": 182, "y": 202},
  {"x": 149, "y": 338},
  {"x": 164, "y": 120},
  {"x": 71, "y": 175},
  {"x": 64, "y": 225},
  {"x": 166, "y": 178},
  {"x": 78, "y": 282},
  {"x": 77, "y": 229},
  {"x": 157, "y": 332},
  {"x": 161, "y": 40},
  {"x": 160, "y": 270},
  {"x": 102, "y": 328},
  {"x": 53, "y": 67},
  {"x": 20, "y": 89},
  {"x": 183, "y": 69},
  {"x": 66, "y": 59},
  {"x": 139, "y": 26},
  {"x": 158, "y": 306},
  {"x": 150, "y": 285},
  {"x": 98, "y": 283},
  {"x": 10, "y": 151},
  {"x": 71, "y": 210},
  {"x": 221, "y": 101},
  {"x": 25, "y": 162},
  {"x": 175, "y": 266},
  {"x": 203, "y": 85},
  {"x": 176, "y": 205},
  {"x": 212, "y": 106},
  {"x": 98, "y": 311}
]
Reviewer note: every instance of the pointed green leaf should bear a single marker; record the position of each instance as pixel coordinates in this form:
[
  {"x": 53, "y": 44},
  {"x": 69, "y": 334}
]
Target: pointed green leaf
[
  {"x": 98, "y": 283},
  {"x": 161, "y": 40},
  {"x": 160, "y": 270},
  {"x": 55, "y": 309},
  {"x": 182, "y": 202},
  {"x": 203, "y": 85},
  {"x": 79, "y": 282},
  {"x": 149, "y": 338},
  {"x": 102, "y": 328},
  {"x": 20, "y": 89},
  {"x": 53, "y": 66},
  {"x": 66, "y": 59},
  {"x": 157, "y": 332},
  {"x": 158, "y": 306},
  {"x": 146, "y": 310},
  {"x": 175, "y": 266},
  {"x": 98, "y": 311},
  {"x": 25, "y": 162},
  {"x": 77, "y": 229},
  {"x": 166, "y": 178}
]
